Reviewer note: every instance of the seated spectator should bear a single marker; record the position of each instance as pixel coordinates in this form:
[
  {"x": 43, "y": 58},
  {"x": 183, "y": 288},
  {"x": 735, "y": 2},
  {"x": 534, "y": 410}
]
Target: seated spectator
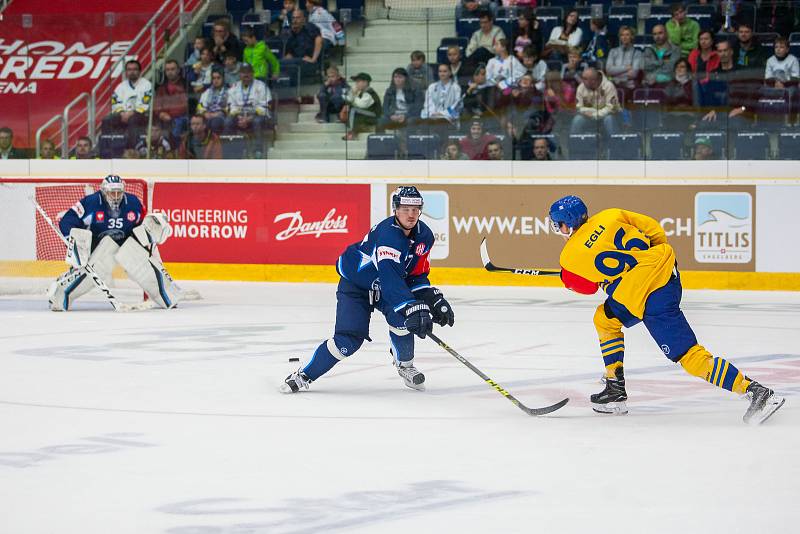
[
  {"x": 363, "y": 106},
  {"x": 564, "y": 36},
  {"x": 679, "y": 100},
  {"x": 495, "y": 151},
  {"x": 285, "y": 18},
  {"x": 704, "y": 59},
  {"x": 481, "y": 45},
  {"x": 224, "y": 42},
  {"x": 783, "y": 70},
  {"x": 248, "y": 108},
  {"x": 597, "y": 50},
  {"x": 534, "y": 66},
  {"x": 199, "y": 142},
  {"x": 402, "y": 104},
  {"x": 452, "y": 151},
  {"x": 231, "y": 70},
  {"x": 442, "y": 103},
  {"x": 572, "y": 69},
  {"x": 747, "y": 51},
  {"x": 419, "y": 72},
  {"x": 130, "y": 104},
  {"x": 597, "y": 104},
  {"x": 728, "y": 69},
  {"x": 162, "y": 145},
  {"x": 504, "y": 70},
  {"x": 7, "y": 150},
  {"x": 558, "y": 94},
  {"x": 84, "y": 149},
  {"x": 478, "y": 94},
  {"x": 526, "y": 32},
  {"x": 456, "y": 65},
  {"x": 258, "y": 56},
  {"x": 624, "y": 65},
  {"x": 475, "y": 145},
  {"x": 200, "y": 75},
  {"x": 214, "y": 102},
  {"x": 200, "y": 43},
  {"x": 48, "y": 150},
  {"x": 659, "y": 58},
  {"x": 331, "y": 95},
  {"x": 172, "y": 103},
  {"x": 304, "y": 45},
  {"x": 703, "y": 149},
  {"x": 682, "y": 30},
  {"x": 541, "y": 149},
  {"x": 322, "y": 19}
]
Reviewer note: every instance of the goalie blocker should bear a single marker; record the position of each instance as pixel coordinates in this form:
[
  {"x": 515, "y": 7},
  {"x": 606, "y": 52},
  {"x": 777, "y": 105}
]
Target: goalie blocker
[{"x": 136, "y": 255}]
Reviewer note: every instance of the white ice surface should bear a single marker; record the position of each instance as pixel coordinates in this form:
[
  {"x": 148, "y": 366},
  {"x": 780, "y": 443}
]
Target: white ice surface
[{"x": 170, "y": 421}]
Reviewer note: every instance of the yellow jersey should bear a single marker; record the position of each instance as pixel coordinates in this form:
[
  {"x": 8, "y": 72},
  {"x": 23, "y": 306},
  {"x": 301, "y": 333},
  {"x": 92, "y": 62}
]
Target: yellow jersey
[{"x": 626, "y": 253}]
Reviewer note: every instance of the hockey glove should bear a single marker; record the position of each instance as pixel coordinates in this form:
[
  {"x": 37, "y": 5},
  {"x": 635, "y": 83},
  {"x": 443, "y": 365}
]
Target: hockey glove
[
  {"x": 418, "y": 318},
  {"x": 441, "y": 310}
]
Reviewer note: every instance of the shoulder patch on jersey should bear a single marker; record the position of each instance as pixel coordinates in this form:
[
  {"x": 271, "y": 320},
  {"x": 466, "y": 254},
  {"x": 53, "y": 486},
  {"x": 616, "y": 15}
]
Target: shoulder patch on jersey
[
  {"x": 78, "y": 208},
  {"x": 100, "y": 216},
  {"x": 388, "y": 253}
]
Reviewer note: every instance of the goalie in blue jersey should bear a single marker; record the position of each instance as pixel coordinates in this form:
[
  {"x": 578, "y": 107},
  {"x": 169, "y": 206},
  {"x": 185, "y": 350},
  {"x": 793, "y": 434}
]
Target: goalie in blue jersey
[
  {"x": 388, "y": 271},
  {"x": 111, "y": 227}
]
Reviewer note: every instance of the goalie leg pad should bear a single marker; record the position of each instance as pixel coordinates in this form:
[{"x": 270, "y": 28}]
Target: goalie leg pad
[
  {"x": 75, "y": 283},
  {"x": 149, "y": 273}
]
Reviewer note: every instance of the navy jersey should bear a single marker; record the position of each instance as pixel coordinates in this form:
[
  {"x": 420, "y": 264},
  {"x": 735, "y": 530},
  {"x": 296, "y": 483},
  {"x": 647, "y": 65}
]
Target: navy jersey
[
  {"x": 388, "y": 259},
  {"x": 93, "y": 213}
]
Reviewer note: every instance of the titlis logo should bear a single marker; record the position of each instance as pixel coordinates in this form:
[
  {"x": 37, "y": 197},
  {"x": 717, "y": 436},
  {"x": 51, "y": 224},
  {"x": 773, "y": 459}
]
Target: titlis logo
[{"x": 331, "y": 224}]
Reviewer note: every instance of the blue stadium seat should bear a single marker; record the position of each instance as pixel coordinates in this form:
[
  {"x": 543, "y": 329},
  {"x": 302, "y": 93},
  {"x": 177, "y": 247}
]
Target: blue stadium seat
[
  {"x": 788, "y": 145},
  {"x": 275, "y": 44},
  {"x": 719, "y": 141},
  {"x": 382, "y": 146},
  {"x": 459, "y": 41},
  {"x": 506, "y": 24},
  {"x": 239, "y": 5},
  {"x": 666, "y": 146},
  {"x": 466, "y": 26},
  {"x": 774, "y": 108},
  {"x": 751, "y": 145},
  {"x": 646, "y": 109},
  {"x": 794, "y": 44},
  {"x": 356, "y": 8},
  {"x": 626, "y": 146},
  {"x": 549, "y": 18},
  {"x": 619, "y": 16},
  {"x": 584, "y": 19},
  {"x": 111, "y": 145},
  {"x": 767, "y": 40},
  {"x": 565, "y": 4},
  {"x": 234, "y": 146},
  {"x": 583, "y": 146},
  {"x": 423, "y": 146},
  {"x": 659, "y": 14},
  {"x": 703, "y": 14},
  {"x": 642, "y": 41}
]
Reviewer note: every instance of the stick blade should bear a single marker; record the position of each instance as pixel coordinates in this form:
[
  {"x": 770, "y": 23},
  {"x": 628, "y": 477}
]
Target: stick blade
[
  {"x": 485, "y": 254},
  {"x": 546, "y": 410}
]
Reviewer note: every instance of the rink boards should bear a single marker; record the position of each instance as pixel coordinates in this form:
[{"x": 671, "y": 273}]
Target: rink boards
[{"x": 732, "y": 229}]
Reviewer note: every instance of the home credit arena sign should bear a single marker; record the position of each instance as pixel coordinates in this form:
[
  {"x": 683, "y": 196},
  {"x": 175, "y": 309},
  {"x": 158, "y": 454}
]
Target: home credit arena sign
[
  {"x": 46, "y": 60},
  {"x": 301, "y": 224}
]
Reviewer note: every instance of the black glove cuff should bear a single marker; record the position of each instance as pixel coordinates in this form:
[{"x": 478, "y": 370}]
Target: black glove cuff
[{"x": 416, "y": 307}]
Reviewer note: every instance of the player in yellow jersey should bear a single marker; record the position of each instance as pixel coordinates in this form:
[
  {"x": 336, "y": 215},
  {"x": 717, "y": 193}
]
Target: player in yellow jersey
[{"x": 627, "y": 255}]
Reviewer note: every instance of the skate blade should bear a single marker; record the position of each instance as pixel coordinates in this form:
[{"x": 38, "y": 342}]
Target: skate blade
[
  {"x": 755, "y": 421},
  {"x": 418, "y": 384},
  {"x": 612, "y": 408}
]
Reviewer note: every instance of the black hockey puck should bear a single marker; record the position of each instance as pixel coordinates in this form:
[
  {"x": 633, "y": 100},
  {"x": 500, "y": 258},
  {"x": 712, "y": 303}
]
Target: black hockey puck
[{"x": 294, "y": 359}]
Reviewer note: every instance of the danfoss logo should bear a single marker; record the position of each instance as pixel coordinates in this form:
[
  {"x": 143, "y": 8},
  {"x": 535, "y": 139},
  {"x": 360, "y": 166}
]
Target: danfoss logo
[{"x": 331, "y": 224}]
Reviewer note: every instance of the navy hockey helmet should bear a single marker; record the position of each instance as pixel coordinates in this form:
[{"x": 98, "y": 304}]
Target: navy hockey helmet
[
  {"x": 113, "y": 190},
  {"x": 406, "y": 195},
  {"x": 570, "y": 211}
]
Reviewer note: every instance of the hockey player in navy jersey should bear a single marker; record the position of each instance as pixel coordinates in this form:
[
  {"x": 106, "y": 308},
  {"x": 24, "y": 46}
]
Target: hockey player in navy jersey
[
  {"x": 109, "y": 227},
  {"x": 388, "y": 271}
]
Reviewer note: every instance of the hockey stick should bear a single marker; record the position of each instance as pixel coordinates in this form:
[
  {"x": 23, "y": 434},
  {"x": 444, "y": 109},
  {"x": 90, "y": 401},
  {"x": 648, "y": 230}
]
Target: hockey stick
[
  {"x": 96, "y": 279},
  {"x": 530, "y": 411},
  {"x": 495, "y": 269}
]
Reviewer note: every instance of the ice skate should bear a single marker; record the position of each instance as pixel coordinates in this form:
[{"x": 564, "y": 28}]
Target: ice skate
[
  {"x": 612, "y": 399},
  {"x": 411, "y": 375},
  {"x": 763, "y": 403},
  {"x": 294, "y": 382}
]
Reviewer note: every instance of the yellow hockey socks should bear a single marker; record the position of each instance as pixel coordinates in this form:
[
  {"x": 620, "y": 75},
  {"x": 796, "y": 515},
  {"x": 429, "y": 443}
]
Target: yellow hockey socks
[{"x": 718, "y": 371}]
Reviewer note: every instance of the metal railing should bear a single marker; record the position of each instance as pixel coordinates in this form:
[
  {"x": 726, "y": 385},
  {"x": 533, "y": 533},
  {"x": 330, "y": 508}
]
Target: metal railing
[{"x": 145, "y": 47}]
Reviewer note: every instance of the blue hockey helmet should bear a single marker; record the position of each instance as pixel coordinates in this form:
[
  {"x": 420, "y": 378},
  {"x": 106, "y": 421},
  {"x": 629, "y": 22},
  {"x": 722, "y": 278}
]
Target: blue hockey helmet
[
  {"x": 113, "y": 190},
  {"x": 406, "y": 195},
  {"x": 569, "y": 210}
]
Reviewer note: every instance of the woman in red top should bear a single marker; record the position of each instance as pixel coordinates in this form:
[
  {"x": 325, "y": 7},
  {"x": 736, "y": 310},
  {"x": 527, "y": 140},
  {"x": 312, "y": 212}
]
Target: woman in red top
[{"x": 704, "y": 59}]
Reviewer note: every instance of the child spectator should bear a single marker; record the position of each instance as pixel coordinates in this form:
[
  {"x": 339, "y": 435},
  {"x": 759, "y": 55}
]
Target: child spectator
[
  {"x": 200, "y": 75},
  {"x": 232, "y": 66},
  {"x": 478, "y": 94},
  {"x": 214, "y": 102},
  {"x": 363, "y": 105},
  {"x": 331, "y": 95},
  {"x": 200, "y": 43},
  {"x": 597, "y": 50},
  {"x": 534, "y": 66},
  {"x": 452, "y": 151},
  {"x": 419, "y": 72},
  {"x": 322, "y": 19},
  {"x": 257, "y": 55},
  {"x": 504, "y": 70},
  {"x": 782, "y": 69}
]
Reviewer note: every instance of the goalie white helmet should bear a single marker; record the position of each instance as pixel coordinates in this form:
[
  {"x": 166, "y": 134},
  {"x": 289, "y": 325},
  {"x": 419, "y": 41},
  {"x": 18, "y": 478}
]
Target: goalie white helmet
[{"x": 113, "y": 190}]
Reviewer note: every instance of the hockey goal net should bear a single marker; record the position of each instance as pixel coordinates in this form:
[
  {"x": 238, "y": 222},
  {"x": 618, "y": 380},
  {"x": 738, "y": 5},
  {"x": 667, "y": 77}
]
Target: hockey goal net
[{"x": 32, "y": 254}]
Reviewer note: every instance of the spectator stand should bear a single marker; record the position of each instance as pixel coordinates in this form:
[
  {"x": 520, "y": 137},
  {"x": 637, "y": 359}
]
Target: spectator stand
[
  {"x": 667, "y": 146},
  {"x": 788, "y": 144},
  {"x": 583, "y": 146},
  {"x": 625, "y": 146},
  {"x": 423, "y": 146},
  {"x": 382, "y": 146},
  {"x": 659, "y": 14},
  {"x": 794, "y": 44},
  {"x": 704, "y": 15},
  {"x": 751, "y": 145},
  {"x": 774, "y": 108}
]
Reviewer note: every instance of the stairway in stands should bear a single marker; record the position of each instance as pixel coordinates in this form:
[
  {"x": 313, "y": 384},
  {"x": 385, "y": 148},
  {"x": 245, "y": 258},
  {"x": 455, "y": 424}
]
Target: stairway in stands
[{"x": 386, "y": 45}]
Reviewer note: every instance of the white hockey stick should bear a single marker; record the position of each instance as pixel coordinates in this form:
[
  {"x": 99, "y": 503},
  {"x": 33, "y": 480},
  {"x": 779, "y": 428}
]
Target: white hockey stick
[{"x": 96, "y": 279}]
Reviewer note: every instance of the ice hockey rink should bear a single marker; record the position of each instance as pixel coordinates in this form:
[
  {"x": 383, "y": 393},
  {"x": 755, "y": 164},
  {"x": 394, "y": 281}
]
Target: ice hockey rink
[{"x": 171, "y": 422}]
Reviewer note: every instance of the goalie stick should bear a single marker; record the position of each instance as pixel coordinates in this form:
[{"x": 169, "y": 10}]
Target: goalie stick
[
  {"x": 487, "y": 263},
  {"x": 96, "y": 279},
  {"x": 530, "y": 411}
]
